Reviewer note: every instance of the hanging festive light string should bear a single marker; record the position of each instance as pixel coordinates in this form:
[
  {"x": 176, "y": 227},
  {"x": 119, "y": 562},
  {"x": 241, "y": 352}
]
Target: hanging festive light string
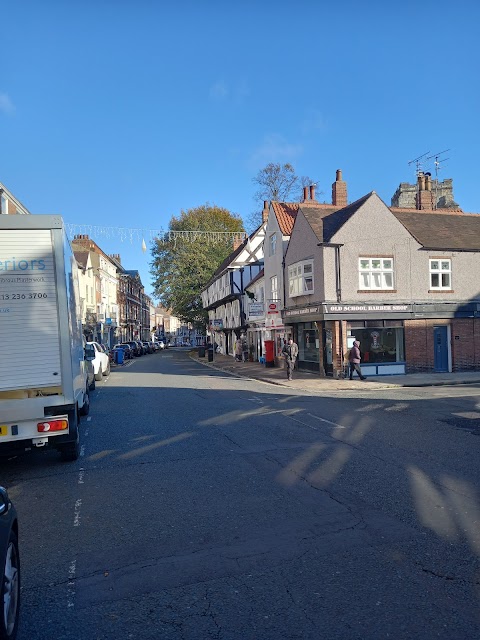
[{"x": 161, "y": 235}]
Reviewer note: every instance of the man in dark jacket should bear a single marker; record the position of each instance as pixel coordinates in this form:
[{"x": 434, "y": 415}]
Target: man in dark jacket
[
  {"x": 354, "y": 359},
  {"x": 290, "y": 351}
]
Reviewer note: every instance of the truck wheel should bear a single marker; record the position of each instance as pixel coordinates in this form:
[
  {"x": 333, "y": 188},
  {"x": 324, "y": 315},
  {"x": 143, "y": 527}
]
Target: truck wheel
[
  {"x": 71, "y": 451},
  {"x": 10, "y": 590},
  {"x": 85, "y": 410},
  {"x": 107, "y": 370},
  {"x": 98, "y": 375}
]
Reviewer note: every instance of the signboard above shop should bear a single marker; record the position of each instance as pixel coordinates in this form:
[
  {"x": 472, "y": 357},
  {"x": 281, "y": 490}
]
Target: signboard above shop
[
  {"x": 256, "y": 309},
  {"x": 366, "y": 308}
]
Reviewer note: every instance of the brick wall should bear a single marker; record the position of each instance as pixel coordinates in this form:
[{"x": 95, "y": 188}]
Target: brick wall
[
  {"x": 465, "y": 344},
  {"x": 417, "y": 353},
  {"x": 420, "y": 348}
]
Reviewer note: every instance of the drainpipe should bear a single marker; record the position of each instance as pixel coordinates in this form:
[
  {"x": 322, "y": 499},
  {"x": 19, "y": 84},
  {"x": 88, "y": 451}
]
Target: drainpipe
[{"x": 338, "y": 287}]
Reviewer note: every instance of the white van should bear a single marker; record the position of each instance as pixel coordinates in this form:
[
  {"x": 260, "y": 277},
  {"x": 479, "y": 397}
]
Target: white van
[{"x": 43, "y": 373}]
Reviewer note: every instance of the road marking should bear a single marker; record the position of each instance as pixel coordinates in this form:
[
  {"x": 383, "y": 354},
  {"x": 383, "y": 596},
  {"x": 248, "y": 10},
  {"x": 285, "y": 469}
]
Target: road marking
[
  {"x": 76, "y": 517},
  {"x": 89, "y": 418},
  {"x": 72, "y": 570},
  {"x": 334, "y": 424},
  {"x": 82, "y": 450},
  {"x": 81, "y": 475}
]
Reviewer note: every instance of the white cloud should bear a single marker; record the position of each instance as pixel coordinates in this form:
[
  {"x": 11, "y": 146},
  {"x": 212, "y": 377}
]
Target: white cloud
[
  {"x": 6, "y": 105},
  {"x": 219, "y": 91},
  {"x": 275, "y": 148},
  {"x": 235, "y": 92},
  {"x": 313, "y": 121}
]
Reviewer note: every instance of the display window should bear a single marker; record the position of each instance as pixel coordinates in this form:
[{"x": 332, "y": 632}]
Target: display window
[
  {"x": 308, "y": 342},
  {"x": 378, "y": 342}
]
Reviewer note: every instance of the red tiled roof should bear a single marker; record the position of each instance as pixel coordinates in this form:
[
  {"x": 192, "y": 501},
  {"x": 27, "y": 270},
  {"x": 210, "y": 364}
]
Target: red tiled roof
[{"x": 286, "y": 212}]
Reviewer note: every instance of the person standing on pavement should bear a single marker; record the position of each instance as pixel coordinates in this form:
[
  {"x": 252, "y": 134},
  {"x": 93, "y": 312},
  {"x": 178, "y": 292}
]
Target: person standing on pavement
[
  {"x": 354, "y": 358},
  {"x": 290, "y": 351},
  {"x": 238, "y": 350}
]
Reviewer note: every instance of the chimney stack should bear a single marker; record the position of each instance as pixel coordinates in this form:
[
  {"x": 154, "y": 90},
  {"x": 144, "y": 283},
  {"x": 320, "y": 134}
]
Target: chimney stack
[
  {"x": 237, "y": 241},
  {"x": 265, "y": 211},
  {"x": 312, "y": 192},
  {"x": 339, "y": 191},
  {"x": 305, "y": 194},
  {"x": 424, "y": 192}
]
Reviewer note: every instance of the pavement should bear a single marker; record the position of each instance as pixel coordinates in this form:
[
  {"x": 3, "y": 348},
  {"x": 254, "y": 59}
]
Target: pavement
[{"x": 309, "y": 381}]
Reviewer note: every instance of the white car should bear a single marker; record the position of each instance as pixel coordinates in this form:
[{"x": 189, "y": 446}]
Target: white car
[{"x": 101, "y": 363}]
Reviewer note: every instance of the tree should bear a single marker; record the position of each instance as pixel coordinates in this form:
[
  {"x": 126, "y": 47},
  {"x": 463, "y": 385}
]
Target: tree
[
  {"x": 277, "y": 182},
  {"x": 182, "y": 266}
]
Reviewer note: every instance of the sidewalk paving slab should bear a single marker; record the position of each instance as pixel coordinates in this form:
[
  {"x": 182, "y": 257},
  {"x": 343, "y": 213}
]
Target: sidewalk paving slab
[{"x": 307, "y": 381}]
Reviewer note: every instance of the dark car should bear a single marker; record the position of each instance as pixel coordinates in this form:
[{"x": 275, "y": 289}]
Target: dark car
[
  {"x": 127, "y": 350},
  {"x": 10, "y": 560},
  {"x": 148, "y": 347},
  {"x": 137, "y": 350}
]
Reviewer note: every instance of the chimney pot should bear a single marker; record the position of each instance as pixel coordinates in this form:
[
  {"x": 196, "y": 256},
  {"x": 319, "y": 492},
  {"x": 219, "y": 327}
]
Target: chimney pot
[
  {"x": 312, "y": 192},
  {"x": 265, "y": 211},
  {"x": 339, "y": 175},
  {"x": 305, "y": 194}
]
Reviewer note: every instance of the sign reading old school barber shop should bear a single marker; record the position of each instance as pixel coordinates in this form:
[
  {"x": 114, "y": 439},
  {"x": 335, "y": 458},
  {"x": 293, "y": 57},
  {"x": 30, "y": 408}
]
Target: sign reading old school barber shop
[{"x": 366, "y": 308}]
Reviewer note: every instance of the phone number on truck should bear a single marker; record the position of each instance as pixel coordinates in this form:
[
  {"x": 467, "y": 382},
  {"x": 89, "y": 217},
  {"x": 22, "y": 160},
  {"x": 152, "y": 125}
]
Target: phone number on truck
[{"x": 22, "y": 296}]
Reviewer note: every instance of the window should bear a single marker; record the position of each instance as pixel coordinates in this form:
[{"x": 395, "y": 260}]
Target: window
[
  {"x": 375, "y": 273},
  {"x": 273, "y": 244},
  {"x": 440, "y": 274},
  {"x": 300, "y": 279},
  {"x": 274, "y": 287}
]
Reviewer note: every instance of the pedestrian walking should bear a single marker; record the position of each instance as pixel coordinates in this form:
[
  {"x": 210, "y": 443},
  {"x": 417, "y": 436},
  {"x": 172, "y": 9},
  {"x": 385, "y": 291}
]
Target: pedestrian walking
[
  {"x": 354, "y": 358},
  {"x": 238, "y": 350},
  {"x": 290, "y": 352}
]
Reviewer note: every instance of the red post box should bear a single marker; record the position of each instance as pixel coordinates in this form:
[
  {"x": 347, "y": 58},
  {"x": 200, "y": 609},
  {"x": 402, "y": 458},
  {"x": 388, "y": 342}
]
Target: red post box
[{"x": 269, "y": 353}]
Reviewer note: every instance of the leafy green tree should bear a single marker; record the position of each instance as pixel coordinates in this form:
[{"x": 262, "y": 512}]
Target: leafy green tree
[{"x": 183, "y": 263}]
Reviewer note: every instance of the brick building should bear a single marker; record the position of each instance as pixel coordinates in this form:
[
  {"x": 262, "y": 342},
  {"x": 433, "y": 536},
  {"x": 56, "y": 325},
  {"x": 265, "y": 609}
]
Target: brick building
[{"x": 402, "y": 281}]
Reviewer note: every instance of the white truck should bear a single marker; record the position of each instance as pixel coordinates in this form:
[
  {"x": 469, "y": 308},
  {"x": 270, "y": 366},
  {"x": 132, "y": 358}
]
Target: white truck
[{"x": 43, "y": 360}]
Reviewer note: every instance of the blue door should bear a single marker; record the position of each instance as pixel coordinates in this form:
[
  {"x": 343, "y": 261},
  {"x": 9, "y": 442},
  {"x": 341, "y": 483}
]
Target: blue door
[{"x": 440, "y": 362}]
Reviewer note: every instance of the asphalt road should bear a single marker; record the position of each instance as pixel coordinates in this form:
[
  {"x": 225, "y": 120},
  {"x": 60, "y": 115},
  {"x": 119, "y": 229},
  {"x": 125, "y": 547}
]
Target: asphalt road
[{"x": 206, "y": 506}]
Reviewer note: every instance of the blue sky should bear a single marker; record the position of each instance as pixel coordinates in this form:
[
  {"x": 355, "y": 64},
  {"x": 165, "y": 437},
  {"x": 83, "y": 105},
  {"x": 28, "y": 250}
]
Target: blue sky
[{"x": 121, "y": 113}]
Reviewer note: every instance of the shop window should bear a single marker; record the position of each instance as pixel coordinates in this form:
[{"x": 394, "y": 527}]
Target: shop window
[
  {"x": 375, "y": 273},
  {"x": 300, "y": 279},
  {"x": 380, "y": 344},
  {"x": 440, "y": 274},
  {"x": 308, "y": 344}
]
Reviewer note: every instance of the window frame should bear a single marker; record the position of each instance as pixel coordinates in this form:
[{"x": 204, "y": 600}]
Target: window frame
[
  {"x": 300, "y": 278},
  {"x": 440, "y": 272},
  {"x": 274, "y": 290},
  {"x": 272, "y": 244},
  {"x": 373, "y": 271}
]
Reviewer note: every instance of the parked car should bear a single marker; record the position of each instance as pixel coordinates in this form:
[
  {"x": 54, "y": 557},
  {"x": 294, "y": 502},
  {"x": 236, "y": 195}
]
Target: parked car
[
  {"x": 10, "y": 559},
  {"x": 155, "y": 345},
  {"x": 101, "y": 363},
  {"x": 90, "y": 352},
  {"x": 161, "y": 344},
  {"x": 148, "y": 346},
  {"x": 142, "y": 347},
  {"x": 126, "y": 348},
  {"x": 137, "y": 350}
]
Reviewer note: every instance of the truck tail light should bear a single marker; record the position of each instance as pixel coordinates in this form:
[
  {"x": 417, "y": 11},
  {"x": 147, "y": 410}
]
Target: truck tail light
[{"x": 52, "y": 425}]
